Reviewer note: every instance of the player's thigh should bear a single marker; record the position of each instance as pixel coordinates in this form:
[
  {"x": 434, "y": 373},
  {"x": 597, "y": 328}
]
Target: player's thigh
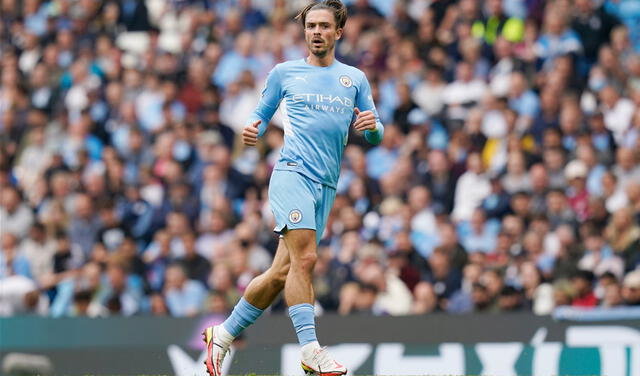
[
  {"x": 324, "y": 205},
  {"x": 292, "y": 201}
]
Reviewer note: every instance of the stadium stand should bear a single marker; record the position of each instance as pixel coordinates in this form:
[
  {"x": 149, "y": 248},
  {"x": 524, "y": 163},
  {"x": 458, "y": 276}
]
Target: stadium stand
[{"x": 508, "y": 178}]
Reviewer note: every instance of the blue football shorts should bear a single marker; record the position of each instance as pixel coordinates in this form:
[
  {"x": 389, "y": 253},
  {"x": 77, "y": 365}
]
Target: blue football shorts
[{"x": 298, "y": 202}]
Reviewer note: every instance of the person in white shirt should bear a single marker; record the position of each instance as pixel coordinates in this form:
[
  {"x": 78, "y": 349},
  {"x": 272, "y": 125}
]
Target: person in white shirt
[
  {"x": 464, "y": 92},
  {"x": 617, "y": 111},
  {"x": 473, "y": 187},
  {"x": 428, "y": 94}
]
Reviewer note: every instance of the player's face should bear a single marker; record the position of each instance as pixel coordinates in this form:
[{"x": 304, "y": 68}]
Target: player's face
[{"x": 321, "y": 32}]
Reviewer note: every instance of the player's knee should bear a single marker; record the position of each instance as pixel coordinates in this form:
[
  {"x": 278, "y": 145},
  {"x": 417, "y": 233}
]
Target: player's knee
[{"x": 307, "y": 260}]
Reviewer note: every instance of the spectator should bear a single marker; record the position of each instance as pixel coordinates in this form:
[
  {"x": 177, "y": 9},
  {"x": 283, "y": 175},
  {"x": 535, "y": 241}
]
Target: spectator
[
  {"x": 39, "y": 250},
  {"x": 217, "y": 304},
  {"x": 196, "y": 266},
  {"x": 631, "y": 289},
  {"x": 624, "y": 237},
  {"x": 440, "y": 181},
  {"x": 617, "y": 112},
  {"x": 220, "y": 280},
  {"x": 12, "y": 262},
  {"x": 537, "y": 294},
  {"x": 510, "y": 300},
  {"x": 428, "y": 94},
  {"x": 122, "y": 294},
  {"x": 84, "y": 225},
  {"x": 405, "y": 106},
  {"x": 19, "y": 295},
  {"x": 133, "y": 15},
  {"x": 112, "y": 232},
  {"x": 117, "y": 134},
  {"x": 481, "y": 299},
  {"x": 259, "y": 259},
  {"x": 137, "y": 215},
  {"x": 563, "y": 293},
  {"x": 517, "y": 177},
  {"x": 462, "y": 94},
  {"x": 424, "y": 220},
  {"x": 16, "y": 217},
  {"x": 393, "y": 298},
  {"x": 523, "y": 100},
  {"x": 593, "y": 25},
  {"x": 583, "y": 285},
  {"x": 627, "y": 169},
  {"x": 576, "y": 175},
  {"x": 614, "y": 195},
  {"x": 497, "y": 23},
  {"x": 442, "y": 278},
  {"x": 587, "y": 155},
  {"x": 598, "y": 256},
  {"x": 67, "y": 301},
  {"x": 235, "y": 62},
  {"x": 184, "y": 297},
  {"x": 381, "y": 158},
  {"x": 472, "y": 187},
  {"x": 478, "y": 235},
  {"x": 557, "y": 39},
  {"x": 609, "y": 291}
]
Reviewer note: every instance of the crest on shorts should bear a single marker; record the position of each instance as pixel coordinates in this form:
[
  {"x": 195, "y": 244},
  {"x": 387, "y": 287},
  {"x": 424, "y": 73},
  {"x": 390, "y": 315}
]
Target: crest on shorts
[
  {"x": 346, "y": 81},
  {"x": 295, "y": 216}
]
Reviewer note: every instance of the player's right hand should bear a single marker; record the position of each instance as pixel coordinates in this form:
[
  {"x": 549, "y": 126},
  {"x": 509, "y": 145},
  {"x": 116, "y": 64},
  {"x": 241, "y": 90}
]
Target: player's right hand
[{"x": 250, "y": 133}]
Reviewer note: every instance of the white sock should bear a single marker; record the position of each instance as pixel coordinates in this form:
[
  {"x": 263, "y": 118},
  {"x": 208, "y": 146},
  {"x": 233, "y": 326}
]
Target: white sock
[
  {"x": 224, "y": 336},
  {"x": 309, "y": 348}
]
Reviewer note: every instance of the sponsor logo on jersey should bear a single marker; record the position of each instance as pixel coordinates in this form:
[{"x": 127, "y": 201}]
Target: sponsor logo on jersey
[{"x": 325, "y": 103}]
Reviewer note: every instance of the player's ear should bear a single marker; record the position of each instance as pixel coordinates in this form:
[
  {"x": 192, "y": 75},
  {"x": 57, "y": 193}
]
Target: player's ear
[{"x": 339, "y": 33}]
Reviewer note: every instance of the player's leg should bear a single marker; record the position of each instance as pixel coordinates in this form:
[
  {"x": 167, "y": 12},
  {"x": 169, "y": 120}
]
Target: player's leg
[
  {"x": 258, "y": 296},
  {"x": 264, "y": 289},
  {"x": 292, "y": 203},
  {"x": 302, "y": 251},
  {"x": 302, "y": 245}
]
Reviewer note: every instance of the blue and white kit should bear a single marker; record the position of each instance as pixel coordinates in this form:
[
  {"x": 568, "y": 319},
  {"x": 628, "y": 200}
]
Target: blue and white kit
[{"x": 317, "y": 104}]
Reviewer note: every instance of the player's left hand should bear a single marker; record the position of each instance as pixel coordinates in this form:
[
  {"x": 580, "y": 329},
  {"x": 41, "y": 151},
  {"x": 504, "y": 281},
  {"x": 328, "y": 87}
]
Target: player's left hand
[{"x": 364, "y": 120}]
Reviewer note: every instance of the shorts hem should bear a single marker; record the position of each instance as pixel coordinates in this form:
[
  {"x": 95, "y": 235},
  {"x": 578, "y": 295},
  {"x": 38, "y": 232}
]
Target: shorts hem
[{"x": 281, "y": 230}]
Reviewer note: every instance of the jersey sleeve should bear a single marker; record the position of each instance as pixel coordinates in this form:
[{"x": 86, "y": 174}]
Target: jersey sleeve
[
  {"x": 364, "y": 102},
  {"x": 269, "y": 101}
]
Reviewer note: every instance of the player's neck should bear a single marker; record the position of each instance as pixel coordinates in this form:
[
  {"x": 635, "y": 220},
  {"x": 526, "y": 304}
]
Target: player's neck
[{"x": 323, "y": 61}]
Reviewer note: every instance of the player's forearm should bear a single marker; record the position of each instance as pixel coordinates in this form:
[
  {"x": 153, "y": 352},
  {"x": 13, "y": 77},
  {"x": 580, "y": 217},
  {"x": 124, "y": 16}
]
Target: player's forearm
[
  {"x": 261, "y": 113},
  {"x": 375, "y": 137}
]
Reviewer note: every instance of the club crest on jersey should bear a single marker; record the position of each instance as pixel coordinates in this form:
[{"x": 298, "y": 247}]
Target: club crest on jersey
[
  {"x": 295, "y": 216},
  {"x": 346, "y": 81}
]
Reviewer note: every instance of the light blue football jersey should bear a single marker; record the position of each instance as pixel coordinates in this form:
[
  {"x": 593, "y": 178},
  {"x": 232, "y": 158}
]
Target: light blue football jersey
[{"x": 317, "y": 105}]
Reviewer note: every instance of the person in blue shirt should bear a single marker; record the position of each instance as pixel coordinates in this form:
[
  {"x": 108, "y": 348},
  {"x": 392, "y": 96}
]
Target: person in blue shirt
[{"x": 320, "y": 98}]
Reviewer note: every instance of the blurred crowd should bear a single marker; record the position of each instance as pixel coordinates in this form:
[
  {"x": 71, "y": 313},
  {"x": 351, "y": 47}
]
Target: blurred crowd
[{"x": 508, "y": 178}]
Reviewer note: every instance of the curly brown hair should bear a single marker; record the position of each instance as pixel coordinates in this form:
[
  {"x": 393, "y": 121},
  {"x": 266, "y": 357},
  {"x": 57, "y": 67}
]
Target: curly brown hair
[{"x": 335, "y": 6}]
